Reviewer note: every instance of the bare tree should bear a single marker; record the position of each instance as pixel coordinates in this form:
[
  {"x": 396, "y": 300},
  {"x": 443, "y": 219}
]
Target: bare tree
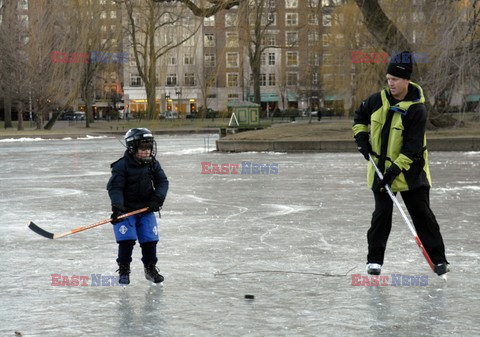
[
  {"x": 154, "y": 29},
  {"x": 97, "y": 47},
  {"x": 12, "y": 33},
  {"x": 451, "y": 23}
]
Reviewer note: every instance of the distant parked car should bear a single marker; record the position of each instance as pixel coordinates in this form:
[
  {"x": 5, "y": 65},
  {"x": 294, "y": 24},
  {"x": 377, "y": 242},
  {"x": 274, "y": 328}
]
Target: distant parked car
[
  {"x": 168, "y": 115},
  {"x": 73, "y": 116}
]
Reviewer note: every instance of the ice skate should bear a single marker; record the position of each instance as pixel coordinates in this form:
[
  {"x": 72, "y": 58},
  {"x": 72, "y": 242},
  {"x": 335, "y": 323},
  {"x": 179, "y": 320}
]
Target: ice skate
[
  {"x": 374, "y": 268},
  {"x": 123, "y": 274},
  {"x": 441, "y": 268},
  {"x": 151, "y": 274}
]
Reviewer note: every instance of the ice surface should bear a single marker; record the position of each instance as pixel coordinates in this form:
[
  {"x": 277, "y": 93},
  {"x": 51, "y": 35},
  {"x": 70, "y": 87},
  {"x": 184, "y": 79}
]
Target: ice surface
[{"x": 292, "y": 239}]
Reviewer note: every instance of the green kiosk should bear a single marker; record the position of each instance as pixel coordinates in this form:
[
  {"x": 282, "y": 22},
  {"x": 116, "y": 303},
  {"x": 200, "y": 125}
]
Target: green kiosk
[{"x": 244, "y": 114}]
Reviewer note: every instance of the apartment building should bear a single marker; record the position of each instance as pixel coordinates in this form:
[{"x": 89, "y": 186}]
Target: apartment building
[{"x": 212, "y": 68}]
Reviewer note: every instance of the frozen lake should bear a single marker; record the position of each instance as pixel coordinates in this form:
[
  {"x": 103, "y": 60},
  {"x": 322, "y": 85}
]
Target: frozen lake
[{"x": 294, "y": 238}]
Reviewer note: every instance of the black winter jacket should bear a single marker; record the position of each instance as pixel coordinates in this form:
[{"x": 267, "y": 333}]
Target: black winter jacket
[{"x": 133, "y": 185}]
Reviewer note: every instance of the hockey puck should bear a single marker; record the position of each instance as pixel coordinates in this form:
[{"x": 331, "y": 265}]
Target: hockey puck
[{"x": 249, "y": 297}]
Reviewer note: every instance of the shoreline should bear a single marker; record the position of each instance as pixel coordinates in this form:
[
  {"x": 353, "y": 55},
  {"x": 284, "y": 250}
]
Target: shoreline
[{"x": 433, "y": 144}]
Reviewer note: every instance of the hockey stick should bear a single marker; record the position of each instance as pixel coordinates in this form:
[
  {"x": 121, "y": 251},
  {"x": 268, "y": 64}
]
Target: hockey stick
[
  {"x": 49, "y": 235},
  {"x": 410, "y": 226}
]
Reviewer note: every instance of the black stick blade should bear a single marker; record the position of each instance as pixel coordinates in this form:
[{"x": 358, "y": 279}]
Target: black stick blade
[{"x": 40, "y": 231}]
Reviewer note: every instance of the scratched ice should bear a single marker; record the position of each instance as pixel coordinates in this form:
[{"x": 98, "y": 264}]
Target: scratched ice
[{"x": 275, "y": 236}]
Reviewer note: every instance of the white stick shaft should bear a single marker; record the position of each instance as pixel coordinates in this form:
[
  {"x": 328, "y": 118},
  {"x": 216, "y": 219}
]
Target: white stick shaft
[{"x": 394, "y": 199}]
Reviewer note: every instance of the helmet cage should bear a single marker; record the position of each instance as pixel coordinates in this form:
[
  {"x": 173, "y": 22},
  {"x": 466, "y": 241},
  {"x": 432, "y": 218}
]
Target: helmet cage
[{"x": 141, "y": 138}]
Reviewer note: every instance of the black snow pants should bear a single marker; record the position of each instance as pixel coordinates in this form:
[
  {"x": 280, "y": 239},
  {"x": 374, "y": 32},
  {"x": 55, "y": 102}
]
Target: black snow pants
[{"x": 418, "y": 206}]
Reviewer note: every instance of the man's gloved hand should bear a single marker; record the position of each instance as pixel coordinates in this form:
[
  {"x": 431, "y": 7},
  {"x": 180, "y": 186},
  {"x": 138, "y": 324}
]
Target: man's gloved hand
[
  {"x": 390, "y": 174},
  {"x": 154, "y": 204},
  {"x": 363, "y": 144},
  {"x": 117, "y": 211}
]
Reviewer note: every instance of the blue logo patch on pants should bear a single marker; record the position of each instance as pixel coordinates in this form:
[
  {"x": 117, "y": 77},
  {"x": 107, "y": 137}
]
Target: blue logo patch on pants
[{"x": 141, "y": 227}]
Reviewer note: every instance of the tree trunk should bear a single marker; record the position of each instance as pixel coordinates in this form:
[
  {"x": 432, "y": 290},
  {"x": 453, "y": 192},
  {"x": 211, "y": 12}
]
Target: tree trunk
[
  {"x": 7, "y": 106},
  {"x": 20, "y": 116},
  {"x": 38, "y": 116},
  {"x": 52, "y": 121}
]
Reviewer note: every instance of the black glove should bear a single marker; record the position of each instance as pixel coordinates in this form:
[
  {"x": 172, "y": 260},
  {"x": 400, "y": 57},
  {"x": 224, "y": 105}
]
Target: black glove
[
  {"x": 390, "y": 174},
  {"x": 117, "y": 211},
  {"x": 363, "y": 144},
  {"x": 154, "y": 204}
]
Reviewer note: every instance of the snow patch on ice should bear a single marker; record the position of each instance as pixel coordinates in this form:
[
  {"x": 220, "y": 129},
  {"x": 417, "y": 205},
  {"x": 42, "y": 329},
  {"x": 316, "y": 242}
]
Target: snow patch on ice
[
  {"x": 458, "y": 188},
  {"x": 184, "y": 152},
  {"x": 23, "y": 139}
]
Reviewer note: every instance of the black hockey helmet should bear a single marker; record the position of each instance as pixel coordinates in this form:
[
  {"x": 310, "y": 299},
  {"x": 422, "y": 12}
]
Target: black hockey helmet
[{"x": 140, "y": 138}]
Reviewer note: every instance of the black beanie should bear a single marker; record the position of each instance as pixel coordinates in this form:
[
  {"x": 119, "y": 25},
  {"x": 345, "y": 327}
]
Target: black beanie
[{"x": 401, "y": 65}]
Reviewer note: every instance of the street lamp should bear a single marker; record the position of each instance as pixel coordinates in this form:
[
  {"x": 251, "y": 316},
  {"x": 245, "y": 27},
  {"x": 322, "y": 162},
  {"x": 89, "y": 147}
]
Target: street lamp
[
  {"x": 178, "y": 91},
  {"x": 167, "y": 98}
]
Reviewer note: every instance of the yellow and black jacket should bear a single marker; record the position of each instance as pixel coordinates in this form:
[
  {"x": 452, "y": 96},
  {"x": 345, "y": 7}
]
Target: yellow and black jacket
[{"x": 397, "y": 135}]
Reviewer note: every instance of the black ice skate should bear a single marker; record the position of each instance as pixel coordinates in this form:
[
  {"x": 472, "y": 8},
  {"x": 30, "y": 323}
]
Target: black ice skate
[
  {"x": 374, "y": 268},
  {"x": 151, "y": 274},
  {"x": 123, "y": 274},
  {"x": 441, "y": 268}
]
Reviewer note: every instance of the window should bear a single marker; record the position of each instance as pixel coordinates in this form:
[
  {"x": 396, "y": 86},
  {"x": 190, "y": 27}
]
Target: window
[
  {"x": 189, "y": 79},
  {"x": 292, "y": 39},
  {"x": 418, "y": 17},
  {"x": 113, "y": 14},
  {"x": 313, "y": 19},
  {"x": 314, "y": 78},
  {"x": 327, "y": 20},
  {"x": 313, "y": 3},
  {"x": 268, "y": 40},
  {"x": 418, "y": 37},
  {"x": 272, "y": 4},
  {"x": 232, "y": 80},
  {"x": 103, "y": 15},
  {"x": 230, "y": 19},
  {"x": 210, "y": 21},
  {"x": 171, "y": 60},
  {"x": 325, "y": 40},
  {"x": 292, "y": 58},
  {"x": 271, "y": 59},
  {"x": 209, "y": 40},
  {"x": 231, "y": 39},
  {"x": 135, "y": 80},
  {"x": 291, "y": 3},
  {"x": 271, "y": 80},
  {"x": 270, "y": 19},
  {"x": 189, "y": 42},
  {"x": 327, "y": 59},
  {"x": 171, "y": 80},
  {"x": 339, "y": 40},
  {"x": 188, "y": 59},
  {"x": 313, "y": 38},
  {"x": 23, "y": 19},
  {"x": 314, "y": 59},
  {"x": 292, "y": 79},
  {"x": 263, "y": 80},
  {"x": 291, "y": 19},
  {"x": 267, "y": 58},
  {"x": 232, "y": 60},
  {"x": 210, "y": 60},
  {"x": 22, "y": 4}
]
